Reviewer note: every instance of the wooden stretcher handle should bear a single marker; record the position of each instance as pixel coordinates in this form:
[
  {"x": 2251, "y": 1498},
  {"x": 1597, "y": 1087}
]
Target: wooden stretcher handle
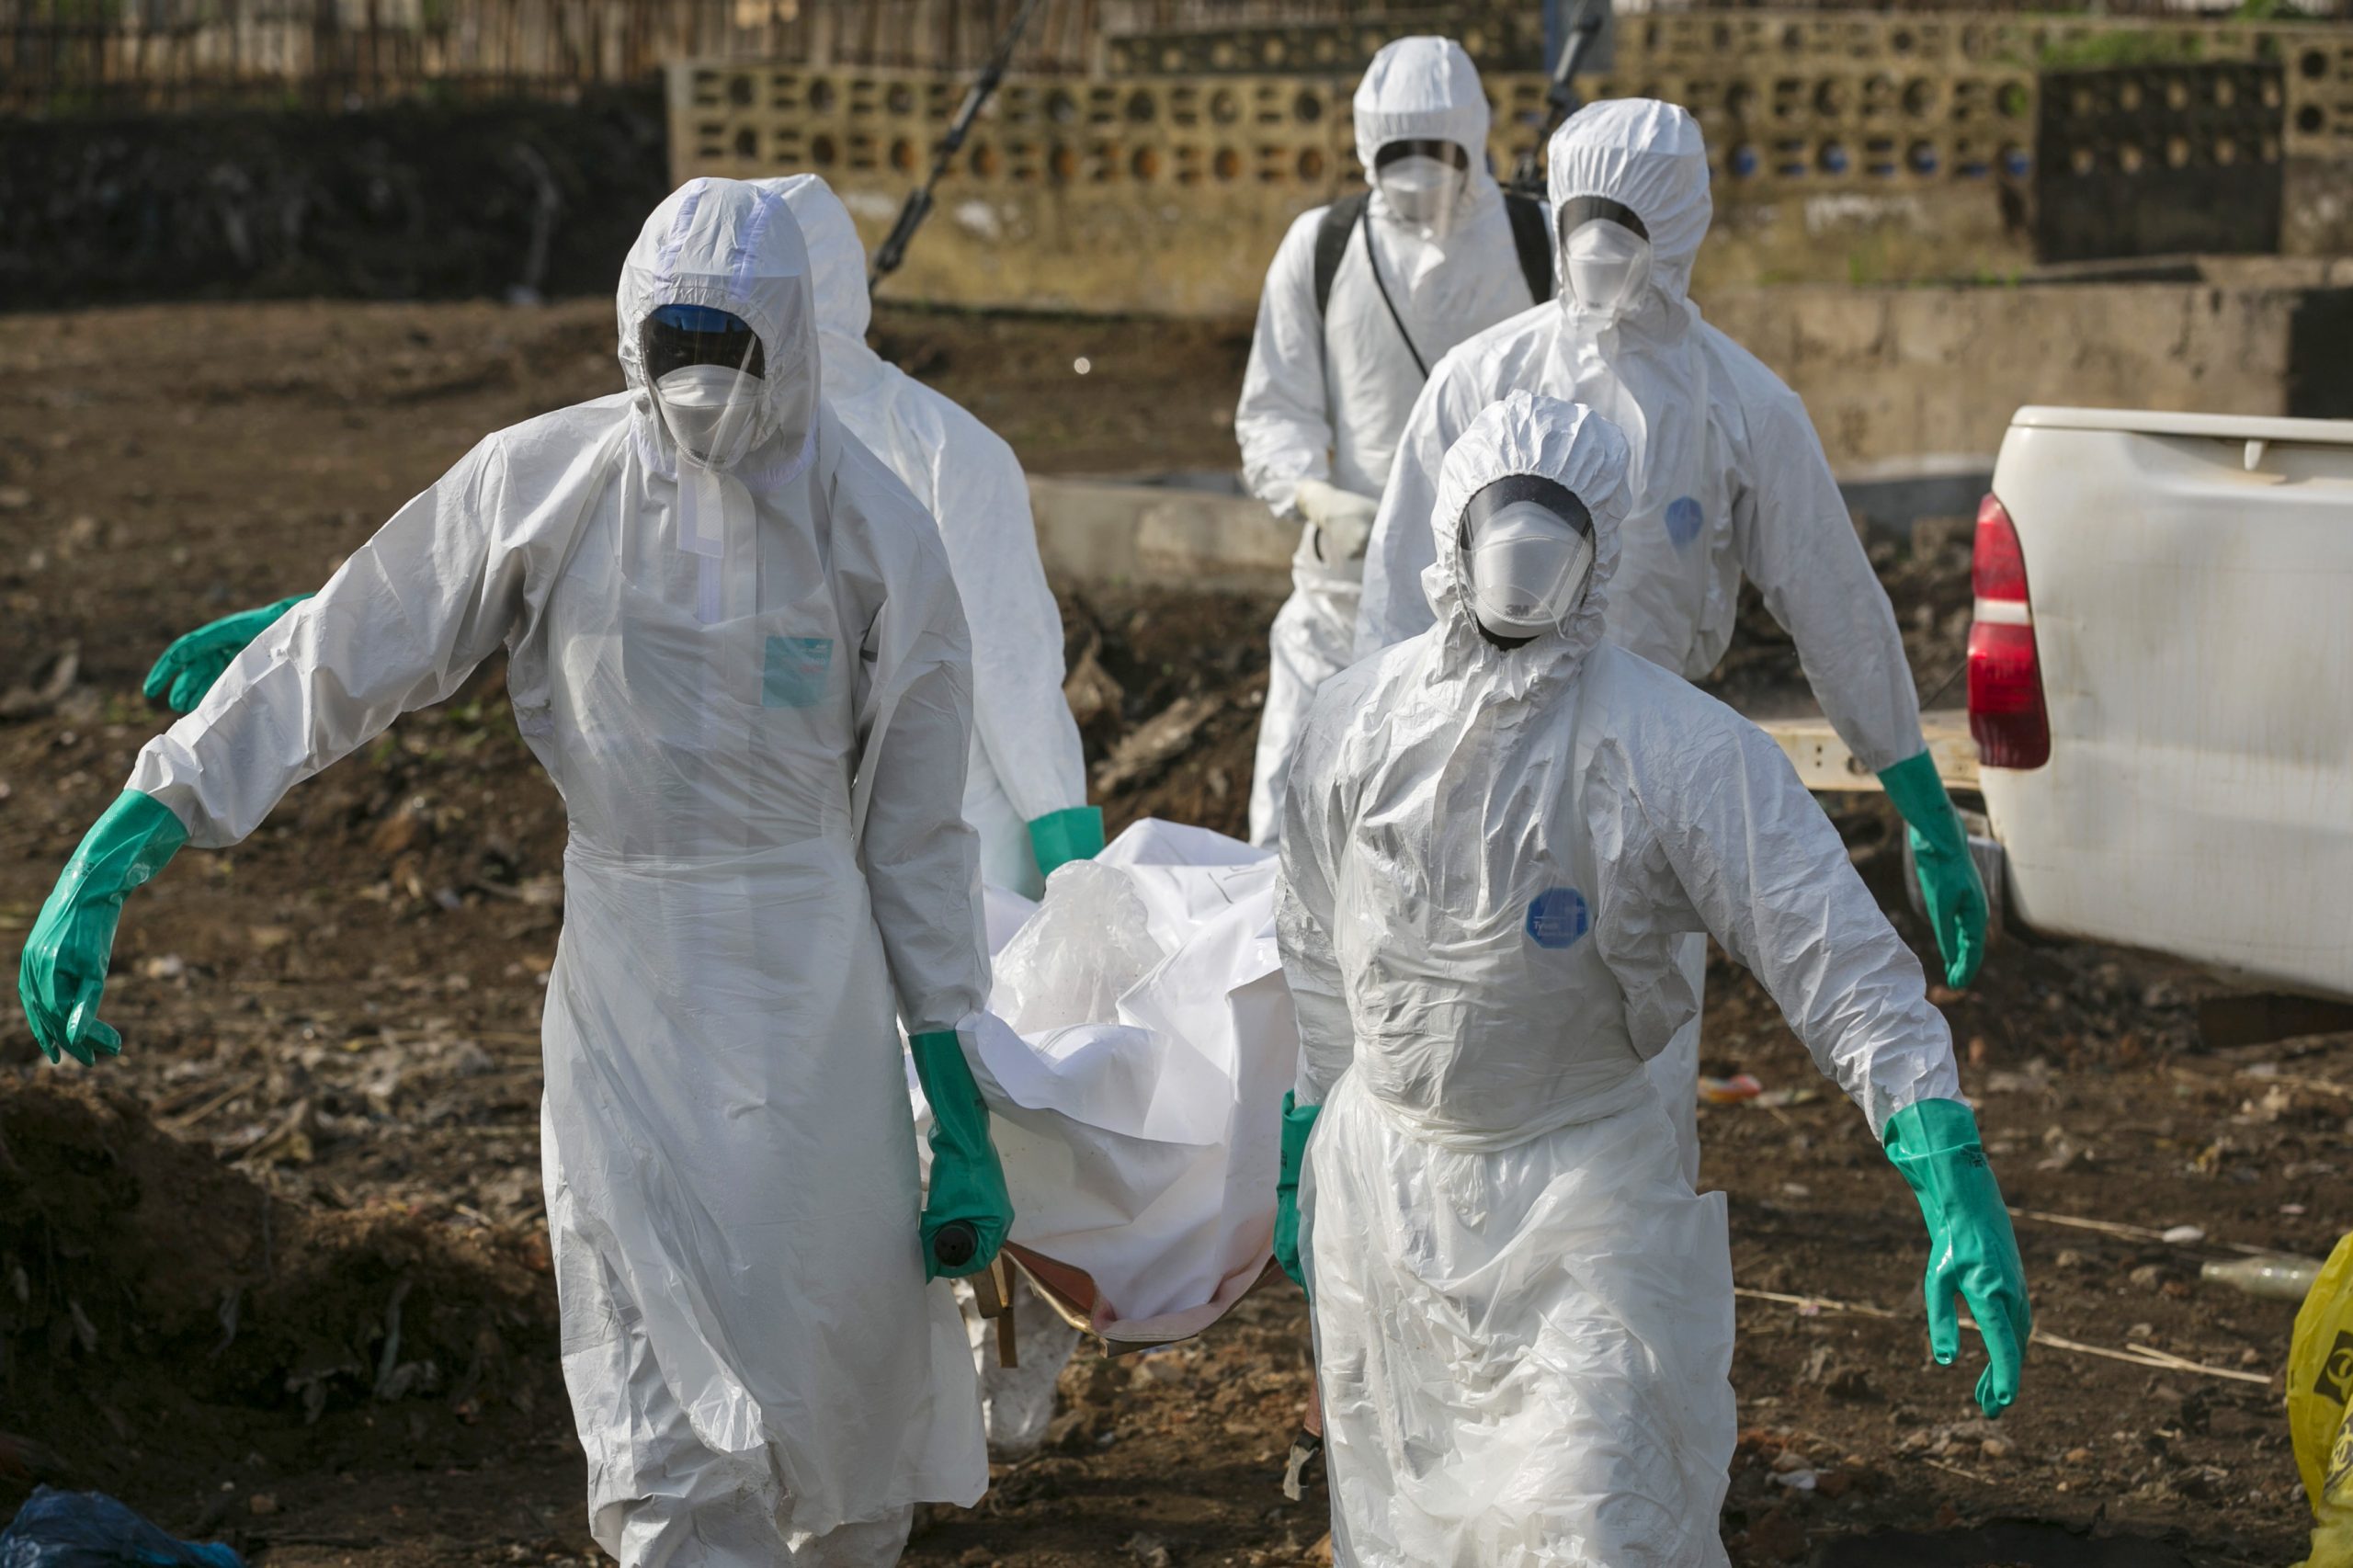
[{"x": 992, "y": 1292}]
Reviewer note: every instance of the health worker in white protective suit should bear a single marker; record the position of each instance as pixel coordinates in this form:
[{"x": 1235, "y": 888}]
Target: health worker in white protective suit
[
  {"x": 1497, "y": 834},
  {"x": 736, "y": 646},
  {"x": 1363, "y": 297},
  {"x": 1025, "y": 783},
  {"x": 1025, "y": 789},
  {"x": 1727, "y": 476}
]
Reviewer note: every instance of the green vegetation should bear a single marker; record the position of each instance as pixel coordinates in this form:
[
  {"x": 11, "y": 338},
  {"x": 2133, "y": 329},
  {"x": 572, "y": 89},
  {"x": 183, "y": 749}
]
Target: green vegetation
[
  {"x": 2125, "y": 46},
  {"x": 84, "y": 13},
  {"x": 2126, "y": 43}
]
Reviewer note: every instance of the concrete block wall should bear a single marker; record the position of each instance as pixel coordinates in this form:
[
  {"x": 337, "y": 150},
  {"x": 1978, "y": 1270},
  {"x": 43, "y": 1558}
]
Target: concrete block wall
[
  {"x": 1157, "y": 196},
  {"x": 1847, "y": 147}
]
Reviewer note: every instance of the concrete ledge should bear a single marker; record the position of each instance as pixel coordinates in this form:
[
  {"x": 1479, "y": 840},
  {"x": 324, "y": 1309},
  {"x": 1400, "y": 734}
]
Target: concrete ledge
[
  {"x": 1893, "y": 497},
  {"x": 1107, "y": 530},
  {"x": 1200, "y": 531}
]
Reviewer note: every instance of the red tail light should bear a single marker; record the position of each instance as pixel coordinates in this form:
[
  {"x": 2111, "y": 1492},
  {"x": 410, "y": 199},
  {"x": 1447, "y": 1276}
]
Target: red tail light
[
  {"x": 2006, "y": 716},
  {"x": 1999, "y": 569}
]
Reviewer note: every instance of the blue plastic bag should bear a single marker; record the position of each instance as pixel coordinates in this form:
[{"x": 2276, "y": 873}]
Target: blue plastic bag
[{"x": 90, "y": 1529}]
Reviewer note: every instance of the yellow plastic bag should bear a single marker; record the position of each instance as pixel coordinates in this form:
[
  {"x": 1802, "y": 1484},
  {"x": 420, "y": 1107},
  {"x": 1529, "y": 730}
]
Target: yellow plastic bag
[
  {"x": 2333, "y": 1514},
  {"x": 2320, "y": 1406}
]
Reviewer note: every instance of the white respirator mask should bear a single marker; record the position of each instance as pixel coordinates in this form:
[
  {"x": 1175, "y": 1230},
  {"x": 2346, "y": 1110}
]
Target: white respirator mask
[
  {"x": 1423, "y": 182},
  {"x": 713, "y": 412},
  {"x": 1606, "y": 258},
  {"x": 1528, "y": 559}
]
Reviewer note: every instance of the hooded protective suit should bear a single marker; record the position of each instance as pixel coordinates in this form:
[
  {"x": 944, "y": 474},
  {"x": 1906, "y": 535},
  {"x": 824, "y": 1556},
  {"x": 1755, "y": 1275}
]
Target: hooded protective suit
[
  {"x": 1026, "y": 764},
  {"x": 1328, "y": 393},
  {"x": 1523, "y": 1313},
  {"x": 1726, "y": 475},
  {"x": 754, "y": 701}
]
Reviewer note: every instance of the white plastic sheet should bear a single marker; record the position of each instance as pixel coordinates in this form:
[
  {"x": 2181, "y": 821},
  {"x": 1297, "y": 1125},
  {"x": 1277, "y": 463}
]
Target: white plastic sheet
[{"x": 1134, "y": 1059}]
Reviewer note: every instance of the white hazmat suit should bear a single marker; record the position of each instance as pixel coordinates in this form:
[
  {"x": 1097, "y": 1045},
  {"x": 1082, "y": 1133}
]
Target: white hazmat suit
[
  {"x": 753, "y": 689},
  {"x": 1727, "y": 476},
  {"x": 1327, "y": 391},
  {"x": 1523, "y": 1313},
  {"x": 1027, "y": 762}
]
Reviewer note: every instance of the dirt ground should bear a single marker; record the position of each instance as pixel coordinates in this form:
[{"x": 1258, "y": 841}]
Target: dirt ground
[{"x": 279, "y": 1273}]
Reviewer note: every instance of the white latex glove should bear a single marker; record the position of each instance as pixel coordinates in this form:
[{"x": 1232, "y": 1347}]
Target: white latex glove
[{"x": 1342, "y": 518}]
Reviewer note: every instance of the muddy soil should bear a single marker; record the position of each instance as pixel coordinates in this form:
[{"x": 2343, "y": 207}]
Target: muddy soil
[{"x": 323, "y": 1133}]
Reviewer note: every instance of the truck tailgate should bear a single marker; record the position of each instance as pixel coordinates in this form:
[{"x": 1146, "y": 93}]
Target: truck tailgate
[{"x": 2191, "y": 587}]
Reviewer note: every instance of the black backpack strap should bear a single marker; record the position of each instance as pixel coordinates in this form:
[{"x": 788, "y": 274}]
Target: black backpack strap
[
  {"x": 1332, "y": 243},
  {"x": 1532, "y": 239},
  {"x": 1372, "y": 262}
]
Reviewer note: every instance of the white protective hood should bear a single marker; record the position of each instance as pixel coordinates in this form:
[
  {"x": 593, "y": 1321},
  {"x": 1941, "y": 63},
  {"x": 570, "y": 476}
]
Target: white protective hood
[
  {"x": 1421, "y": 89},
  {"x": 707, "y": 246},
  {"x": 1525, "y": 434},
  {"x": 1425, "y": 90},
  {"x": 836, "y": 262},
  {"x": 1649, "y": 156}
]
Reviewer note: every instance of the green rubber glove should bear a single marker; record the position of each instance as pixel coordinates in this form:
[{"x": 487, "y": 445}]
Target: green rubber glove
[
  {"x": 1299, "y": 1120},
  {"x": 966, "y": 1183},
  {"x": 1948, "y": 879},
  {"x": 1971, "y": 1251},
  {"x": 1059, "y": 838},
  {"x": 191, "y": 665},
  {"x": 63, "y": 974}
]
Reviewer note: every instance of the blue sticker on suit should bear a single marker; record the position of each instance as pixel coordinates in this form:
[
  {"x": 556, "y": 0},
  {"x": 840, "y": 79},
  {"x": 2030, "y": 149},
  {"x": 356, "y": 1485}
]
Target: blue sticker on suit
[
  {"x": 794, "y": 676},
  {"x": 1684, "y": 518},
  {"x": 1557, "y": 917}
]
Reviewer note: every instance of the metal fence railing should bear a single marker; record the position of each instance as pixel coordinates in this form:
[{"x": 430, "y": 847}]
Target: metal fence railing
[
  {"x": 65, "y": 56},
  {"x": 60, "y": 56}
]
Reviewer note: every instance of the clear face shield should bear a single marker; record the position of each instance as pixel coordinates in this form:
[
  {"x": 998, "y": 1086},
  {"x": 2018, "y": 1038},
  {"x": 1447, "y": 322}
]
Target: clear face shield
[
  {"x": 1605, "y": 256},
  {"x": 707, "y": 374},
  {"x": 1423, "y": 182},
  {"x": 1527, "y": 557}
]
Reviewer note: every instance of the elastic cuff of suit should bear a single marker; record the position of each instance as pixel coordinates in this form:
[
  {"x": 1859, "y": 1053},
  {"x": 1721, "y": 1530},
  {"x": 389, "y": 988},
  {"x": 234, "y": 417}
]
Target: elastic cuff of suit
[
  {"x": 1928, "y": 1127},
  {"x": 1060, "y": 837}
]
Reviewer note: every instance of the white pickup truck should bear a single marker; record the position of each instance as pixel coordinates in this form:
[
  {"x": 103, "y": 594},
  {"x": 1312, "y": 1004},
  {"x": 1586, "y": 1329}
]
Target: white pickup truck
[
  {"x": 2160, "y": 684},
  {"x": 2161, "y": 689}
]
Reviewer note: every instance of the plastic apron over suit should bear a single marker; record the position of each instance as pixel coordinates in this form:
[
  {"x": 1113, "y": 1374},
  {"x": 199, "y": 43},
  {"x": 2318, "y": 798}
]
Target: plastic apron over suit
[
  {"x": 1490, "y": 861},
  {"x": 758, "y": 716}
]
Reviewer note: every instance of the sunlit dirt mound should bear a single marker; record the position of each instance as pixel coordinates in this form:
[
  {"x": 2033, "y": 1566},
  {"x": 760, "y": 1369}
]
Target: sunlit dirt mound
[{"x": 150, "y": 1296}]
